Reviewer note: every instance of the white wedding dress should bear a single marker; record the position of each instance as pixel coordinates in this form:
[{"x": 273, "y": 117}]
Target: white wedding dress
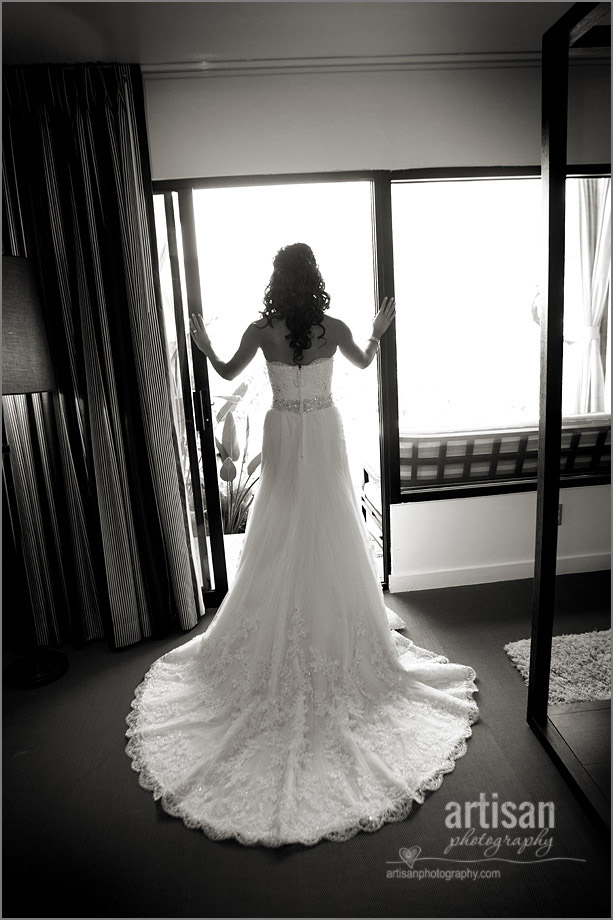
[{"x": 300, "y": 715}]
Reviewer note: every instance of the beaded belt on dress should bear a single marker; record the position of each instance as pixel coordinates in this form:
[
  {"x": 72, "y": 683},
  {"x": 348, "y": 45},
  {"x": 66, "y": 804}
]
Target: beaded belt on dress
[{"x": 304, "y": 405}]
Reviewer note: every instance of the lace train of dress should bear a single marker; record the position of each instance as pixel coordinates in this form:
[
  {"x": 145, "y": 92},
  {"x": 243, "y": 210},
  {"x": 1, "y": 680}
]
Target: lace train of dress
[{"x": 299, "y": 715}]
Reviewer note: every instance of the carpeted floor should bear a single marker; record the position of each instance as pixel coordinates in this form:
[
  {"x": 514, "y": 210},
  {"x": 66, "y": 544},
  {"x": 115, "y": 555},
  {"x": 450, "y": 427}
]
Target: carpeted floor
[{"x": 82, "y": 839}]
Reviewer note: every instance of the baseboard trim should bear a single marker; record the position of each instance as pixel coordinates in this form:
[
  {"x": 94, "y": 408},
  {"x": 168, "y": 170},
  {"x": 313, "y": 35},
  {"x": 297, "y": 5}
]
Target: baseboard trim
[
  {"x": 571, "y": 565},
  {"x": 478, "y": 575}
]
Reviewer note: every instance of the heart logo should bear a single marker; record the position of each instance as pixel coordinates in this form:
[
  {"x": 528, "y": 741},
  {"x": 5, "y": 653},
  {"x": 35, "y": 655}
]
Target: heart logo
[{"x": 409, "y": 855}]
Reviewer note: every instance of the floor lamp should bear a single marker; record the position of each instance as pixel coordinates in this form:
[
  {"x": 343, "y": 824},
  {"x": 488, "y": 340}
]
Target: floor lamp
[{"x": 26, "y": 368}]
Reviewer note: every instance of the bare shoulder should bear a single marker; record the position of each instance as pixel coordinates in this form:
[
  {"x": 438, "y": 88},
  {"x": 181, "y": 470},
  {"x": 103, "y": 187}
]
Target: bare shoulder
[
  {"x": 252, "y": 335},
  {"x": 258, "y": 330},
  {"x": 336, "y": 328}
]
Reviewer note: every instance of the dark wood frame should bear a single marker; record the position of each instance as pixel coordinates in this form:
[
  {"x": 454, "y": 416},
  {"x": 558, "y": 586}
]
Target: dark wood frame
[
  {"x": 202, "y": 404},
  {"x": 500, "y": 487},
  {"x": 177, "y": 293},
  {"x": 208, "y": 523},
  {"x": 556, "y": 44},
  {"x": 388, "y": 381},
  {"x": 383, "y": 284}
]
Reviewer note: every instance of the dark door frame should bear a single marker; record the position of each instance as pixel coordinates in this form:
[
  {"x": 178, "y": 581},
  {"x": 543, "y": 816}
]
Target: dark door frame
[
  {"x": 383, "y": 282},
  {"x": 557, "y": 45}
]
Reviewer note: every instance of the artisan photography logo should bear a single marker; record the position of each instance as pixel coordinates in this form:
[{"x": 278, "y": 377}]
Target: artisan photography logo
[
  {"x": 494, "y": 826},
  {"x": 483, "y": 833},
  {"x": 492, "y": 814}
]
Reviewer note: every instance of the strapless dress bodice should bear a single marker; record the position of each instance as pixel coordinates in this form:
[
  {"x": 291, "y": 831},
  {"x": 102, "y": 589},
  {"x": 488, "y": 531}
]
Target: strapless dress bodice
[{"x": 301, "y": 388}]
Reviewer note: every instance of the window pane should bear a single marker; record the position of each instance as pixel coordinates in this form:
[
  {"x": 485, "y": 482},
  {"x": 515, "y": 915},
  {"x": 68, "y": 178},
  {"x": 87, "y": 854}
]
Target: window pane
[
  {"x": 587, "y": 296},
  {"x": 239, "y": 231},
  {"x": 467, "y": 258}
]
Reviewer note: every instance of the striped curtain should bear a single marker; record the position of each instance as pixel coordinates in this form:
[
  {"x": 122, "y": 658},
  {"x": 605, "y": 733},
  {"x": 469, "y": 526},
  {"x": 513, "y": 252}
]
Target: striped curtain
[{"x": 95, "y": 465}]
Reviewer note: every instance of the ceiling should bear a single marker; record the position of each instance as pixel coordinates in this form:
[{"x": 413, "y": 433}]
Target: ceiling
[{"x": 155, "y": 34}]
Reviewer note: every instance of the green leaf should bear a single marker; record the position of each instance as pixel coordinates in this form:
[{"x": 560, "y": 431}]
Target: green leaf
[
  {"x": 222, "y": 451},
  {"x": 229, "y": 404},
  {"x": 229, "y": 438},
  {"x": 232, "y": 401},
  {"x": 227, "y": 471},
  {"x": 254, "y": 463}
]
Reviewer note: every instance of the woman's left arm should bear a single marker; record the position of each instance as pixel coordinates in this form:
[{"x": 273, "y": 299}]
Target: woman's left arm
[{"x": 245, "y": 352}]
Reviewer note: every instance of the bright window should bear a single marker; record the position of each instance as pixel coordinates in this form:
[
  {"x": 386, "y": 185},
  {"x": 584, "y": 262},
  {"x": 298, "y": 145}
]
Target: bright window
[
  {"x": 238, "y": 232},
  {"x": 467, "y": 260}
]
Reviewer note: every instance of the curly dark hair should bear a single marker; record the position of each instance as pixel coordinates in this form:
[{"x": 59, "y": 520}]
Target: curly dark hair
[{"x": 296, "y": 293}]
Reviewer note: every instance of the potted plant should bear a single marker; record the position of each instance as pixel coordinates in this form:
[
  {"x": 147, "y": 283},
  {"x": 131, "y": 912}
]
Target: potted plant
[{"x": 238, "y": 475}]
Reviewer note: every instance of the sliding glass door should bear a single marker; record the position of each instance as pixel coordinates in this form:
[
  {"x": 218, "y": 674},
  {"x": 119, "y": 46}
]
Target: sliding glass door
[
  {"x": 238, "y": 232},
  {"x": 217, "y": 245}
]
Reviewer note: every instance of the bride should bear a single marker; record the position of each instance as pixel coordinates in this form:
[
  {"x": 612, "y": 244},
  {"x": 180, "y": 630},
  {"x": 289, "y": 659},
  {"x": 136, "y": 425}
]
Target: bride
[{"x": 299, "y": 715}]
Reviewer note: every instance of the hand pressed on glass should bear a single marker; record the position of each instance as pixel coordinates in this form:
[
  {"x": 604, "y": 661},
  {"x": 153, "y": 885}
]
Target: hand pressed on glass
[
  {"x": 198, "y": 332},
  {"x": 384, "y": 318}
]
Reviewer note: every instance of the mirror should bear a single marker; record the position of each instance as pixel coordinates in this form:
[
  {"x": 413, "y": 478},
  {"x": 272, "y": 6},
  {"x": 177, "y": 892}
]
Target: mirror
[
  {"x": 569, "y": 701},
  {"x": 579, "y": 675}
]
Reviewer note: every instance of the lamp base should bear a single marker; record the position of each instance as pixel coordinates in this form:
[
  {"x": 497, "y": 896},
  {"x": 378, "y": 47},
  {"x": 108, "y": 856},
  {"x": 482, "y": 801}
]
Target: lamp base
[{"x": 37, "y": 668}]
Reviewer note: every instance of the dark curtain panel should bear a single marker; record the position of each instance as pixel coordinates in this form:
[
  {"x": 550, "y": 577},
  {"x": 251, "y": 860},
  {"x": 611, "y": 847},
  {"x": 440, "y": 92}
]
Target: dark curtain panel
[{"x": 95, "y": 464}]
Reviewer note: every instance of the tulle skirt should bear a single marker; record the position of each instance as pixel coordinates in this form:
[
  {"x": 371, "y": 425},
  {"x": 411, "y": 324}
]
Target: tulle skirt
[{"x": 299, "y": 716}]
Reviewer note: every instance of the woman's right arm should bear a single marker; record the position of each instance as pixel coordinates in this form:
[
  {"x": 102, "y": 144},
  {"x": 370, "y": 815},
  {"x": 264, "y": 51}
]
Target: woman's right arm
[
  {"x": 362, "y": 358},
  {"x": 244, "y": 354}
]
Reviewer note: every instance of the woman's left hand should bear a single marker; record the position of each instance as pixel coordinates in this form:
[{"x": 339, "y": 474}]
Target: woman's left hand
[
  {"x": 385, "y": 317},
  {"x": 198, "y": 332}
]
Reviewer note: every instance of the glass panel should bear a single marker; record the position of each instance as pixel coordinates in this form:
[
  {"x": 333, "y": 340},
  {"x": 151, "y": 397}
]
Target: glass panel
[
  {"x": 429, "y": 449},
  {"x": 172, "y": 282},
  {"x": 587, "y": 297},
  {"x": 468, "y": 270},
  {"x": 456, "y": 448},
  {"x": 426, "y": 472},
  {"x": 483, "y": 446},
  {"x": 505, "y": 468},
  {"x": 467, "y": 266},
  {"x": 239, "y": 231}
]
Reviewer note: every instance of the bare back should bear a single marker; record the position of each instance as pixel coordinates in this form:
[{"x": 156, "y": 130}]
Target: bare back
[{"x": 276, "y": 347}]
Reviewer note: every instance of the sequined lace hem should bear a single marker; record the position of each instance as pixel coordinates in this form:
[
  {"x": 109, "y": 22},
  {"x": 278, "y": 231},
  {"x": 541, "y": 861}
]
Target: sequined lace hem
[
  {"x": 308, "y": 404},
  {"x": 395, "y": 811}
]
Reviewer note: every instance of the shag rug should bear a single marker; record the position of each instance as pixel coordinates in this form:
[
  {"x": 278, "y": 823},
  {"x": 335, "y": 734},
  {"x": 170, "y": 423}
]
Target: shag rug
[{"x": 580, "y": 666}]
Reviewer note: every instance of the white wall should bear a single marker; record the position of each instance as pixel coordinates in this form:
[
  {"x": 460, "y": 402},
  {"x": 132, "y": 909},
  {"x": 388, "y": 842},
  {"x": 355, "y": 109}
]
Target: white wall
[
  {"x": 260, "y": 124},
  {"x": 491, "y": 538}
]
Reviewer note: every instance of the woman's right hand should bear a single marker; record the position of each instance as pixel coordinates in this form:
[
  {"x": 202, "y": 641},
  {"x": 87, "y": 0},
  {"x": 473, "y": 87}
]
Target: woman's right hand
[{"x": 385, "y": 317}]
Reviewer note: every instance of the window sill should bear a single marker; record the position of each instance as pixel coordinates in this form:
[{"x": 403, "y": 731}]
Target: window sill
[
  {"x": 472, "y": 490},
  {"x": 593, "y": 420}
]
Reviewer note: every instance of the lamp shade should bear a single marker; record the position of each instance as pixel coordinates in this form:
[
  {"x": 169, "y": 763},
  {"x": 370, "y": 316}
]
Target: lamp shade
[{"x": 26, "y": 360}]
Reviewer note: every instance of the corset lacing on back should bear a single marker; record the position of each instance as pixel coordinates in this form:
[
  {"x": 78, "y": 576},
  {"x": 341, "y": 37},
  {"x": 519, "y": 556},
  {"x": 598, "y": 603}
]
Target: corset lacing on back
[{"x": 301, "y": 388}]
